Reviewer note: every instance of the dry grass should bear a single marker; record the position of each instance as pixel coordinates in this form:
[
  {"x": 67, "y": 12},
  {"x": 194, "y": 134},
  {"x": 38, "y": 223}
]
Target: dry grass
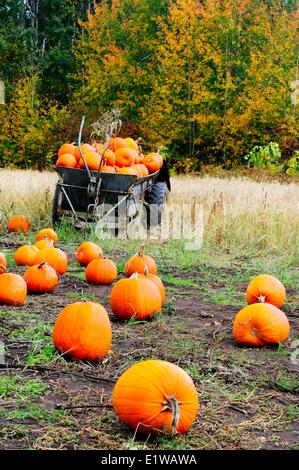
[{"x": 238, "y": 213}]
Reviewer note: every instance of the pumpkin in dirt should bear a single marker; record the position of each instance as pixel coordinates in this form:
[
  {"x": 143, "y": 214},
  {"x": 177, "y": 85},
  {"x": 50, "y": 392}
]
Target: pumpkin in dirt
[
  {"x": 67, "y": 160},
  {"x": 88, "y": 251},
  {"x": 82, "y": 331},
  {"x": 25, "y": 255},
  {"x": 47, "y": 233},
  {"x": 3, "y": 263},
  {"x": 135, "y": 297},
  {"x": 54, "y": 257},
  {"x": 18, "y": 223},
  {"x": 260, "y": 324},
  {"x": 155, "y": 395},
  {"x": 156, "y": 280},
  {"x": 124, "y": 157},
  {"x": 138, "y": 262},
  {"x": 266, "y": 288},
  {"x": 13, "y": 289},
  {"x": 66, "y": 149},
  {"x": 45, "y": 242},
  {"x": 41, "y": 278},
  {"x": 101, "y": 271}
]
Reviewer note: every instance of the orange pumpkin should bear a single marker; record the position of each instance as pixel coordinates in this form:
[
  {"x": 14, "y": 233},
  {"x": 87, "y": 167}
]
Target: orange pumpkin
[
  {"x": 3, "y": 261},
  {"x": 131, "y": 143},
  {"x": 85, "y": 148},
  {"x": 138, "y": 170},
  {"x": 82, "y": 331},
  {"x": 109, "y": 157},
  {"x": 138, "y": 262},
  {"x": 87, "y": 252},
  {"x": 117, "y": 143},
  {"x": 156, "y": 280},
  {"x": 41, "y": 278},
  {"x": 92, "y": 159},
  {"x": 25, "y": 255},
  {"x": 153, "y": 396},
  {"x": 158, "y": 156},
  {"x": 260, "y": 324},
  {"x": 142, "y": 169},
  {"x": 48, "y": 233},
  {"x": 125, "y": 170},
  {"x": 54, "y": 257},
  {"x": 101, "y": 271},
  {"x": 45, "y": 242},
  {"x": 152, "y": 163},
  {"x": 105, "y": 168},
  {"x": 135, "y": 297},
  {"x": 18, "y": 223},
  {"x": 266, "y": 288},
  {"x": 13, "y": 289},
  {"x": 67, "y": 160},
  {"x": 124, "y": 157},
  {"x": 99, "y": 147},
  {"x": 66, "y": 149}
]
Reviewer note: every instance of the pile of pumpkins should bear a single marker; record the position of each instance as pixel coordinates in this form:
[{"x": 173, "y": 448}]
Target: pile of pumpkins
[
  {"x": 123, "y": 156},
  {"x": 152, "y": 396}
]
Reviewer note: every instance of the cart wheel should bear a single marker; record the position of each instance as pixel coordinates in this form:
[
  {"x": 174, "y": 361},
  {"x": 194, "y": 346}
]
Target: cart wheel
[
  {"x": 56, "y": 204},
  {"x": 155, "y": 200}
]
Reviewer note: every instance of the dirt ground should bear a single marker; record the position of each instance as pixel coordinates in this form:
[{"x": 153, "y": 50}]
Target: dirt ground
[{"x": 248, "y": 397}]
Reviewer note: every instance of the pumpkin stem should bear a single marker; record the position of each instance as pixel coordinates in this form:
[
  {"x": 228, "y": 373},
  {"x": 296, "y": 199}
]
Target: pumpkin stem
[
  {"x": 134, "y": 276},
  {"x": 41, "y": 265},
  {"x": 146, "y": 270},
  {"x": 141, "y": 251},
  {"x": 173, "y": 405},
  {"x": 262, "y": 299},
  {"x": 2, "y": 268}
]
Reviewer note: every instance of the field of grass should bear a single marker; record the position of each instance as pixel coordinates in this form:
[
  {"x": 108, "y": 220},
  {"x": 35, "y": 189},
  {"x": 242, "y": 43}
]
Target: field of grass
[{"x": 248, "y": 397}]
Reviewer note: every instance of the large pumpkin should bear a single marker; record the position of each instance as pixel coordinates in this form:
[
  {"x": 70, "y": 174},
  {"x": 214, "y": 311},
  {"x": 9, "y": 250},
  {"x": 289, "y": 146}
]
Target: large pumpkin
[
  {"x": 88, "y": 251},
  {"x": 54, "y": 257},
  {"x": 266, "y": 288},
  {"x": 25, "y": 255},
  {"x": 13, "y": 289},
  {"x": 153, "y": 396},
  {"x": 124, "y": 157},
  {"x": 67, "y": 160},
  {"x": 82, "y": 331},
  {"x": 135, "y": 297},
  {"x": 131, "y": 143},
  {"x": 66, "y": 149},
  {"x": 18, "y": 223},
  {"x": 41, "y": 278},
  {"x": 152, "y": 163},
  {"x": 138, "y": 262},
  {"x": 92, "y": 159},
  {"x": 101, "y": 271},
  {"x": 48, "y": 233},
  {"x": 260, "y": 324}
]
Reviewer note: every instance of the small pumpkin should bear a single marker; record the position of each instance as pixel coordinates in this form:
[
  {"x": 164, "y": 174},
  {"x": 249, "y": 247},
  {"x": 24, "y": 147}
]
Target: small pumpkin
[
  {"x": 48, "y": 233},
  {"x": 155, "y": 395},
  {"x": 67, "y": 160},
  {"x": 18, "y": 223},
  {"x": 138, "y": 262},
  {"x": 25, "y": 255},
  {"x": 156, "y": 280},
  {"x": 66, "y": 149},
  {"x": 266, "y": 288},
  {"x": 101, "y": 271},
  {"x": 41, "y": 278},
  {"x": 135, "y": 297},
  {"x": 44, "y": 243},
  {"x": 124, "y": 157},
  {"x": 143, "y": 170},
  {"x": 83, "y": 331},
  {"x": 54, "y": 257},
  {"x": 3, "y": 261},
  {"x": 92, "y": 159},
  {"x": 109, "y": 157},
  {"x": 131, "y": 143},
  {"x": 13, "y": 289},
  {"x": 88, "y": 251},
  {"x": 260, "y": 324},
  {"x": 152, "y": 163},
  {"x": 126, "y": 171},
  {"x": 116, "y": 143}
]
